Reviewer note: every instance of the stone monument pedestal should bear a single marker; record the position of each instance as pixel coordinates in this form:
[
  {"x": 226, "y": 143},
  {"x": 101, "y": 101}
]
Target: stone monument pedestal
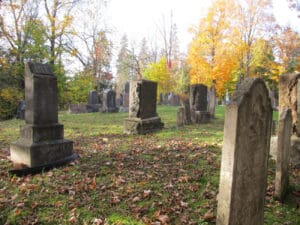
[
  {"x": 41, "y": 143},
  {"x": 40, "y": 146},
  {"x": 142, "y": 126},
  {"x": 201, "y": 117}
]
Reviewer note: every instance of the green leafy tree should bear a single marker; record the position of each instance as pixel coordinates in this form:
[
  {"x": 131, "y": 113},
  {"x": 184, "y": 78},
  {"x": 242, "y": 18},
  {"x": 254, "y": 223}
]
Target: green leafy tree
[
  {"x": 159, "y": 73},
  {"x": 79, "y": 87}
]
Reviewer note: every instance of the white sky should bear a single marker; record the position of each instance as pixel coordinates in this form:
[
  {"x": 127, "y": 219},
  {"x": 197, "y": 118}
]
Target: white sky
[{"x": 139, "y": 18}]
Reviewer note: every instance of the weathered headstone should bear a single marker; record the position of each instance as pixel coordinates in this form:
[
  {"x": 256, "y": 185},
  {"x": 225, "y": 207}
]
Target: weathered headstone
[
  {"x": 126, "y": 97},
  {"x": 21, "y": 110},
  {"x": 173, "y": 99},
  {"x": 243, "y": 177},
  {"x": 199, "y": 104},
  {"x": 109, "y": 101},
  {"x": 42, "y": 137},
  {"x": 93, "y": 102},
  {"x": 119, "y": 101},
  {"x": 143, "y": 117},
  {"x": 180, "y": 116},
  {"x": 283, "y": 154},
  {"x": 187, "y": 111},
  {"x": 212, "y": 101},
  {"x": 166, "y": 95},
  {"x": 289, "y": 94},
  {"x": 160, "y": 99}
]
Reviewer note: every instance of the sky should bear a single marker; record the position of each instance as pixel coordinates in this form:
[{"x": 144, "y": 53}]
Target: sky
[{"x": 140, "y": 18}]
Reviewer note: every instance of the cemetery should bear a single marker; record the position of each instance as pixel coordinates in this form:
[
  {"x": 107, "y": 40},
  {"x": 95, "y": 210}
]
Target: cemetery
[
  {"x": 150, "y": 165},
  {"x": 150, "y": 112}
]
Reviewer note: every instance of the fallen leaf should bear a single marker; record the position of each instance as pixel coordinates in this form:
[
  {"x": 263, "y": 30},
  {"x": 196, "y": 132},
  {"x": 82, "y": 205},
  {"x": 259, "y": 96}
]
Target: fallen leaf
[
  {"x": 136, "y": 199},
  {"x": 209, "y": 216},
  {"x": 164, "y": 219}
]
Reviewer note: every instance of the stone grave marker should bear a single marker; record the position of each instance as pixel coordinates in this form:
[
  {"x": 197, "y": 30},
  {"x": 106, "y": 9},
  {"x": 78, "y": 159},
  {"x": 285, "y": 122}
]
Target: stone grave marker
[
  {"x": 185, "y": 102},
  {"x": 289, "y": 97},
  {"x": 180, "y": 116},
  {"x": 126, "y": 95},
  {"x": 243, "y": 177},
  {"x": 283, "y": 154},
  {"x": 93, "y": 102},
  {"x": 143, "y": 117},
  {"x": 160, "y": 99},
  {"x": 166, "y": 95},
  {"x": 41, "y": 140},
  {"x": 21, "y": 110},
  {"x": 199, "y": 104},
  {"x": 212, "y": 101},
  {"x": 109, "y": 101},
  {"x": 173, "y": 99}
]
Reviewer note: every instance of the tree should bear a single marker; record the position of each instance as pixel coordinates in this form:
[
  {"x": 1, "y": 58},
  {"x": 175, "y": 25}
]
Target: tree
[
  {"x": 159, "y": 73},
  {"x": 125, "y": 64},
  {"x": 91, "y": 44},
  {"x": 59, "y": 20},
  {"x": 14, "y": 15},
  {"x": 287, "y": 49},
  {"x": 211, "y": 55},
  {"x": 295, "y": 5},
  {"x": 79, "y": 86},
  {"x": 144, "y": 56},
  {"x": 253, "y": 19},
  {"x": 263, "y": 63}
]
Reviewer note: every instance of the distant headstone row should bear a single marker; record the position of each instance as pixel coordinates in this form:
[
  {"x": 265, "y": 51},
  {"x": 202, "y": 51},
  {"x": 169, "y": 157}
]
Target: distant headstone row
[{"x": 106, "y": 103}]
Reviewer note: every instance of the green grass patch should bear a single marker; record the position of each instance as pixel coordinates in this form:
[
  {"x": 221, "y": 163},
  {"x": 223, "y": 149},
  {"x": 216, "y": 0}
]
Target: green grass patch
[{"x": 170, "y": 175}]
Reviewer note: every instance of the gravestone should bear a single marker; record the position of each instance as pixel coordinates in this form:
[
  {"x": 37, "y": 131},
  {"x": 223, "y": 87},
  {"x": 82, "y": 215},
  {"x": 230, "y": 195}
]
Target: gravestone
[
  {"x": 289, "y": 94},
  {"x": 126, "y": 94},
  {"x": 93, "y": 102},
  {"x": 243, "y": 177},
  {"x": 160, "y": 98},
  {"x": 41, "y": 140},
  {"x": 199, "y": 104},
  {"x": 212, "y": 101},
  {"x": 173, "y": 99},
  {"x": 119, "y": 101},
  {"x": 109, "y": 101},
  {"x": 21, "y": 110},
  {"x": 283, "y": 154},
  {"x": 166, "y": 95},
  {"x": 180, "y": 116},
  {"x": 143, "y": 117},
  {"x": 187, "y": 111}
]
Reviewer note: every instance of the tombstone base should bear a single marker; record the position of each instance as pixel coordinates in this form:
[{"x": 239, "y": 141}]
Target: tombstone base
[
  {"x": 295, "y": 151},
  {"x": 40, "y": 133},
  {"x": 201, "y": 117},
  {"x": 93, "y": 108},
  {"x": 40, "y": 154},
  {"x": 34, "y": 170},
  {"x": 142, "y": 126},
  {"x": 111, "y": 110}
]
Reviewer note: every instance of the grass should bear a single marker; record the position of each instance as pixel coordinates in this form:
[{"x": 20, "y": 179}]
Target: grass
[{"x": 170, "y": 176}]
